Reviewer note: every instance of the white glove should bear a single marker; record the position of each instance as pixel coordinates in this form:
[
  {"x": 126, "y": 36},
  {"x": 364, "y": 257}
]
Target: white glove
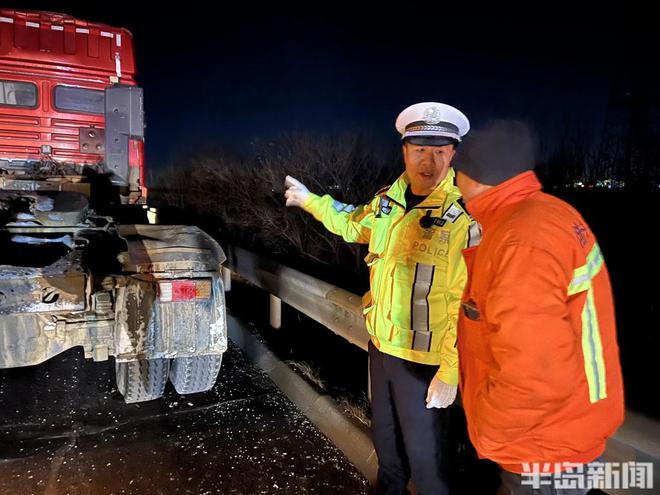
[
  {"x": 440, "y": 394},
  {"x": 296, "y": 193}
]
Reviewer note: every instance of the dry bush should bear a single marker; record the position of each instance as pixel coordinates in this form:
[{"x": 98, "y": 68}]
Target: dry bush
[{"x": 246, "y": 195}]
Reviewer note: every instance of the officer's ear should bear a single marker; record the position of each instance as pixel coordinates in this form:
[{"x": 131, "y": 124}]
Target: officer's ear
[{"x": 453, "y": 151}]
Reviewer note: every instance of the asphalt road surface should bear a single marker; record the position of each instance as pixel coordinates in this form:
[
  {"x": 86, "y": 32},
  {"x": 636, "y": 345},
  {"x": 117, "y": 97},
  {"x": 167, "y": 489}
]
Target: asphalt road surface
[{"x": 64, "y": 429}]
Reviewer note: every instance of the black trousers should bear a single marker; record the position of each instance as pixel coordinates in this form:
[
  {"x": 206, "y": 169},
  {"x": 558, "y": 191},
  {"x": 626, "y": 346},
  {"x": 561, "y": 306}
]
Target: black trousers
[{"x": 410, "y": 440}]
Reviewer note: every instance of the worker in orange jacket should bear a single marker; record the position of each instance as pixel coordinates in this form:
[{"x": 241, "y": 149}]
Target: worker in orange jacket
[{"x": 540, "y": 375}]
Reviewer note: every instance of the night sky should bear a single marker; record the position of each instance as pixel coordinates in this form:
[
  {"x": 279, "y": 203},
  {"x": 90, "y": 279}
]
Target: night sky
[{"x": 234, "y": 76}]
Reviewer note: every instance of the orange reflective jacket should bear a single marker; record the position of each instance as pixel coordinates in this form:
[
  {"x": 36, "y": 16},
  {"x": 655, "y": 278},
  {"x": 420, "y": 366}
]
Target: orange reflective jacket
[{"x": 540, "y": 373}]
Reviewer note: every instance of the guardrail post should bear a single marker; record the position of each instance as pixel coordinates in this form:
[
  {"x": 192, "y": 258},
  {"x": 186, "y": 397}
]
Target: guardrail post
[
  {"x": 152, "y": 216},
  {"x": 226, "y": 278},
  {"x": 275, "y": 312}
]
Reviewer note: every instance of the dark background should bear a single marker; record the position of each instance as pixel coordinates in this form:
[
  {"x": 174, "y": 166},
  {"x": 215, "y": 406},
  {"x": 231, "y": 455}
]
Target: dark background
[{"x": 241, "y": 74}]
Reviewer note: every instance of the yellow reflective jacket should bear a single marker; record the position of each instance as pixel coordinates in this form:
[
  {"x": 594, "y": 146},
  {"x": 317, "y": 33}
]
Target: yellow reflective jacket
[{"x": 416, "y": 268}]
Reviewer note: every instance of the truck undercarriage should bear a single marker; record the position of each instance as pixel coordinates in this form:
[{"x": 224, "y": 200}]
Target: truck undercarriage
[{"x": 149, "y": 295}]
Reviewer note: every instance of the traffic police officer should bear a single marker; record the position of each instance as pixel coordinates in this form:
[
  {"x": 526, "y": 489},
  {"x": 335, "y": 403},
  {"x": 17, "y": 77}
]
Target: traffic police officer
[{"x": 416, "y": 229}]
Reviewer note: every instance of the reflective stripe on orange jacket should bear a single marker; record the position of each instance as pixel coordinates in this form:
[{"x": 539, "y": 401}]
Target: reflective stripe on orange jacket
[{"x": 540, "y": 373}]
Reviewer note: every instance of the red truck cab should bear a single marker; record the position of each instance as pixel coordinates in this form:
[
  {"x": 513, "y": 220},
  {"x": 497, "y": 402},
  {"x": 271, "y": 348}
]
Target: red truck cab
[{"x": 69, "y": 100}]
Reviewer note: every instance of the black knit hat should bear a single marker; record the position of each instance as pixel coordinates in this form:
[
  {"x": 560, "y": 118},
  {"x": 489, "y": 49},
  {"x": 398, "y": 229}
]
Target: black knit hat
[{"x": 495, "y": 153}]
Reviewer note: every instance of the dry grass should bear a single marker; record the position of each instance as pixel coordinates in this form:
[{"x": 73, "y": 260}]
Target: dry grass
[
  {"x": 310, "y": 373},
  {"x": 358, "y": 411},
  {"x": 246, "y": 195}
]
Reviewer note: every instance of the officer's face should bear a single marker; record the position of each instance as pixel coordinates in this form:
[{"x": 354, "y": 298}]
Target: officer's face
[{"x": 426, "y": 166}]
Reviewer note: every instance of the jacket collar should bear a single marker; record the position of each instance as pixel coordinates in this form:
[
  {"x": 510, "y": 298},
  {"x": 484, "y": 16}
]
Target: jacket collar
[
  {"x": 486, "y": 207},
  {"x": 397, "y": 191}
]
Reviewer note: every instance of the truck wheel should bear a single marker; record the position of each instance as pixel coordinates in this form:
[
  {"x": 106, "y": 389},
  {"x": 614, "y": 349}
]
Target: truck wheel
[
  {"x": 143, "y": 379},
  {"x": 190, "y": 375}
]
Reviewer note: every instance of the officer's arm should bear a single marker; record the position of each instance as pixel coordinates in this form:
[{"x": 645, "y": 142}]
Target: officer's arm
[
  {"x": 534, "y": 347},
  {"x": 456, "y": 279},
  {"x": 350, "y": 222}
]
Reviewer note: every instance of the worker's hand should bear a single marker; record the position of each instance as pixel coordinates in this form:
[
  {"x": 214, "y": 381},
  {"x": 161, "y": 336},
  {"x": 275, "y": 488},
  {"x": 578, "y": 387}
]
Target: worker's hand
[
  {"x": 440, "y": 394},
  {"x": 296, "y": 193}
]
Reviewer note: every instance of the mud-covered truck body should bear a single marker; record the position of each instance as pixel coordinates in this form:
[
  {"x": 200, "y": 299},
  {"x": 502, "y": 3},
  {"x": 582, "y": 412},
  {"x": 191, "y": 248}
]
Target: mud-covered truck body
[{"x": 80, "y": 265}]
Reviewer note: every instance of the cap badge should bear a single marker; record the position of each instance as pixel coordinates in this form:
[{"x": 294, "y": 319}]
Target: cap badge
[{"x": 432, "y": 115}]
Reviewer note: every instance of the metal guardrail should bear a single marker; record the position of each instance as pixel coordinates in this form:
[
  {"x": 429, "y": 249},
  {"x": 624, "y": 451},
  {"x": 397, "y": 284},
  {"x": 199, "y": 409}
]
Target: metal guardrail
[
  {"x": 335, "y": 308},
  {"x": 637, "y": 440}
]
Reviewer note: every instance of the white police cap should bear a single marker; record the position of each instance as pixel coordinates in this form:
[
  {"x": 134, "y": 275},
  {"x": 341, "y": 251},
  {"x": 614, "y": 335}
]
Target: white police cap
[{"x": 432, "y": 123}]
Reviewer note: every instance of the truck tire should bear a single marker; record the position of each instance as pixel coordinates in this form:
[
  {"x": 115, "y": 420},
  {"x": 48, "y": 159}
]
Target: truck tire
[
  {"x": 190, "y": 375},
  {"x": 142, "y": 380}
]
